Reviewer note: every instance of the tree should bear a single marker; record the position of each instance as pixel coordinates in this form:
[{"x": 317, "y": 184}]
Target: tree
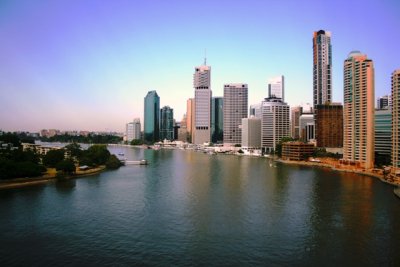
[
  {"x": 113, "y": 162},
  {"x": 66, "y": 166},
  {"x": 74, "y": 150},
  {"x": 10, "y": 138},
  {"x": 99, "y": 154},
  {"x": 136, "y": 142},
  {"x": 53, "y": 157}
]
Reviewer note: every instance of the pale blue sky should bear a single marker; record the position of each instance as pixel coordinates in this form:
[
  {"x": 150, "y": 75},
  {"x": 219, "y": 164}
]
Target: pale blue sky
[{"x": 87, "y": 65}]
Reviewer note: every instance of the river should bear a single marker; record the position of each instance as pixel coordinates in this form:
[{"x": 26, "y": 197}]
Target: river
[{"x": 187, "y": 208}]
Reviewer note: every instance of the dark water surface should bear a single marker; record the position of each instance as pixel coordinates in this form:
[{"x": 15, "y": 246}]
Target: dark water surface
[{"x": 188, "y": 208}]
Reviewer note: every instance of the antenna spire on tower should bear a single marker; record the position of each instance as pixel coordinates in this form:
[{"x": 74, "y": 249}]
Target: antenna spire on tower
[{"x": 205, "y": 57}]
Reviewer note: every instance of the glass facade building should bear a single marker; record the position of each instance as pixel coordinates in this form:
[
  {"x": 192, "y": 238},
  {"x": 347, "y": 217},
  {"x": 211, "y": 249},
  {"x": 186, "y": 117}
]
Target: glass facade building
[
  {"x": 217, "y": 120},
  {"x": 167, "y": 123},
  {"x": 152, "y": 117}
]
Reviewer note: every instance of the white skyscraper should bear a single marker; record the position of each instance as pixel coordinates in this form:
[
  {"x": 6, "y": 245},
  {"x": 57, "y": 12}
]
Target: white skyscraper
[
  {"x": 133, "y": 130},
  {"x": 251, "y": 132},
  {"x": 235, "y": 109},
  {"x": 276, "y": 87},
  {"x": 202, "y": 98},
  {"x": 274, "y": 123}
]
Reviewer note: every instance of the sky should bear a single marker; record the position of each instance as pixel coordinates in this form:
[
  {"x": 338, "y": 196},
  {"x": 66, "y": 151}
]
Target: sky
[{"x": 87, "y": 65}]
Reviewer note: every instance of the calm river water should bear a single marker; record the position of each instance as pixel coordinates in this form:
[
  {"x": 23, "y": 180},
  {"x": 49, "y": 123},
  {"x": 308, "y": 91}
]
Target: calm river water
[{"x": 187, "y": 208}]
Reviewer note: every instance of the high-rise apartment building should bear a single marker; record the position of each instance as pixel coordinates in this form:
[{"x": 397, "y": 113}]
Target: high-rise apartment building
[
  {"x": 396, "y": 121},
  {"x": 152, "y": 117},
  {"x": 295, "y": 121},
  {"x": 235, "y": 109},
  {"x": 202, "y": 105},
  {"x": 322, "y": 67},
  {"x": 217, "y": 120},
  {"x": 276, "y": 87},
  {"x": 359, "y": 110},
  {"x": 167, "y": 123},
  {"x": 251, "y": 132},
  {"x": 274, "y": 123},
  {"x": 329, "y": 125},
  {"x": 133, "y": 130}
]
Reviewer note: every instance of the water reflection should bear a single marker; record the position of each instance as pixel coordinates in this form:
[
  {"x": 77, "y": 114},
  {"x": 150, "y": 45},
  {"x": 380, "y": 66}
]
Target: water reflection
[
  {"x": 188, "y": 208},
  {"x": 65, "y": 185}
]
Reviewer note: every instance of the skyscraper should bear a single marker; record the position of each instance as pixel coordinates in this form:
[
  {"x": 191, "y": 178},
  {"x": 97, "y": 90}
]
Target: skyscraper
[
  {"x": 383, "y": 102},
  {"x": 383, "y": 136},
  {"x": 274, "y": 123},
  {"x": 322, "y": 67},
  {"x": 329, "y": 125},
  {"x": 295, "y": 121},
  {"x": 190, "y": 119},
  {"x": 251, "y": 132},
  {"x": 167, "y": 123},
  {"x": 133, "y": 130},
  {"x": 202, "y": 99},
  {"x": 396, "y": 120},
  {"x": 307, "y": 127},
  {"x": 359, "y": 110},
  {"x": 276, "y": 87},
  {"x": 151, "y": 117},
  {"x": 235, "y": 109},
  {"x": 217, "y": 120}
]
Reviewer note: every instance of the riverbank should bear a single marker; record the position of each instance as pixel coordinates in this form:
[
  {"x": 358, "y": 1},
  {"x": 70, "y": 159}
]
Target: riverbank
[
  {"x": 396, "y": 191},
  {"x": 334, "y": 165},
  {"x": 50, "y": 176}
]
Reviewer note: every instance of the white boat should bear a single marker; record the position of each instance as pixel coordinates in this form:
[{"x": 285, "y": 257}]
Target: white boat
[{"x": 136, "y": 162}]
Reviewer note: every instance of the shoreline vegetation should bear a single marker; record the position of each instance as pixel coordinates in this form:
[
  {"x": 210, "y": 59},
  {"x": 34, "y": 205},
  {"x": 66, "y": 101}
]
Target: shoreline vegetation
[
  {"x": 24, "y": 164},
  {"x": 50, "y": 176}
]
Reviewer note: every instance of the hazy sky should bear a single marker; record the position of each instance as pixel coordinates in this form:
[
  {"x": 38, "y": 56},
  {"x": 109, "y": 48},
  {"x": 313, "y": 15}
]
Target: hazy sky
[{"x": 87, "y": 65}]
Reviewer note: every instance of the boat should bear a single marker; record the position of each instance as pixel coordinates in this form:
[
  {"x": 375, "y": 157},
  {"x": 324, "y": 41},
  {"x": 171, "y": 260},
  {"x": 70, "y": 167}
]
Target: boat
[
  {"x": 136, "y": 162},
  {"x": 121, "y": 154}
]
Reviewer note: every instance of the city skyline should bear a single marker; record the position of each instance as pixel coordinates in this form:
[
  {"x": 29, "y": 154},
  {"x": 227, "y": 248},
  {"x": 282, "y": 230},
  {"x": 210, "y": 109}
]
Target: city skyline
[{"x": 88, "y": 66}]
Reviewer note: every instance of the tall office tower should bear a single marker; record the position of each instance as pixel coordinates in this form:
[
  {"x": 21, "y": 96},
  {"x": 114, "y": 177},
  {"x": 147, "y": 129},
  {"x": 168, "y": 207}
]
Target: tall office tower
[
  {"x": 274, "y": 123},
  {"x": 329, "y": 125},
  {"x": 202, "y": 104},
  {"x": 383, "y": 102},
  {"x": 276, "y": 87},
  {"x": 383, "y": 135},
  {"x": 167, "y": 123},
  {"x": 151, "y": 117},
  {"x": 294, "y": 121},
  {"x": 217, "y": 120},
  {"x": 235, "y": 109},
  {"x": 251, "y": 132},
  {"x": 307, "y": 127},
  {"x": 133, "y": 130},
  {"x": 255, "y": 110},
  {"x": 182, "y": 131},
  {"x": 359, "y": 110},
  {"x": 190, "y": 118},
  {"x": 396, "y": 121},
  {"x": 322, "y": 67}
]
